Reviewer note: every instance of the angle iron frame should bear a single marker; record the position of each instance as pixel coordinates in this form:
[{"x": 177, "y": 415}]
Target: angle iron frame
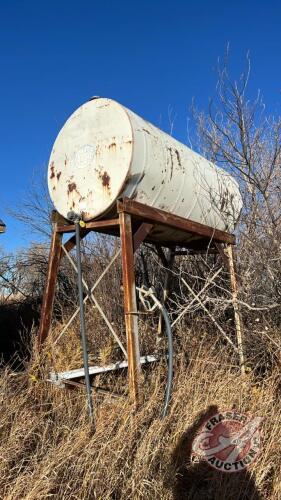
[{"x": 135, "y": 224}]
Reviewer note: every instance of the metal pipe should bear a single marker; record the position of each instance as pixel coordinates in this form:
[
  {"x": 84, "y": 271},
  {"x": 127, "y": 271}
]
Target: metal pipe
[{"x": 82, "y": 319}]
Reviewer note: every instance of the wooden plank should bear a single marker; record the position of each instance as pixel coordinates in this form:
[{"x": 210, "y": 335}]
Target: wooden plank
[
  {"x": 130, "y": 306},
  {"x": 153, "y": 215},
  {"x": 49, "y": 292}
]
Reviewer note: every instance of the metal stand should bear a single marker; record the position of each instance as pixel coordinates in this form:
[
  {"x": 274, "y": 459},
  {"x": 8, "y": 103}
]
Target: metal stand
[
  {"x": 51, "y": 279},
  {"x": 135, "y": 223},
  {"x": 130, "y": 304}
]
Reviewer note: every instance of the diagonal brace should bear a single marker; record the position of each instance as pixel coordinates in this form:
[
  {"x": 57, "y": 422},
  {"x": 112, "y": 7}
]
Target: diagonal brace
[{"x": 94, "y": 300}]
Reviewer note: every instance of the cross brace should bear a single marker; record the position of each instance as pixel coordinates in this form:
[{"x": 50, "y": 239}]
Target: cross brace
[{"x": 135, "y": 223}]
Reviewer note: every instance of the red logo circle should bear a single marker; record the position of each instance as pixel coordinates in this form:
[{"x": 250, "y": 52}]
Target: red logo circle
[{"x": 229, "y": 441}]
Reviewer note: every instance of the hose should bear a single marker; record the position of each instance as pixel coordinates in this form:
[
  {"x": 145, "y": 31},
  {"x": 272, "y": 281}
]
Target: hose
[{"x": 144, "y": 295}]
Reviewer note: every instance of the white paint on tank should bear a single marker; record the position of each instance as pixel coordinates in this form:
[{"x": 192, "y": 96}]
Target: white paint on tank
[{"x": 104, "y": 152}]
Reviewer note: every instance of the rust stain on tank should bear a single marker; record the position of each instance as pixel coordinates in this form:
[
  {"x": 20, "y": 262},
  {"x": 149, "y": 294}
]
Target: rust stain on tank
[
  {"x": 58, "y": 175},
  {"x": 52, "y": 168},
  {"x": 71, "y": 187},
  {"x": 178, "y": 157},
  {"x": 172, "y": 162},
  {"x": 105, "y": 178},
  {"x": 104, "y": 105},
  {"x": 98, "y": 149},
  {"x": 112, "y": 146}
]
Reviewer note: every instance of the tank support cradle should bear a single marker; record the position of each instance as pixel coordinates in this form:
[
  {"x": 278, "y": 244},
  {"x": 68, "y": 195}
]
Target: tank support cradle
[{"x": 135, "y": 224}]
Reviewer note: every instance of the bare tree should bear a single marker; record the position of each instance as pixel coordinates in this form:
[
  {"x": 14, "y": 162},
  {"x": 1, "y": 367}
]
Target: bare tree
[
  {"x": 237, "y": 134},
  {"x": 34, "y": 209}
]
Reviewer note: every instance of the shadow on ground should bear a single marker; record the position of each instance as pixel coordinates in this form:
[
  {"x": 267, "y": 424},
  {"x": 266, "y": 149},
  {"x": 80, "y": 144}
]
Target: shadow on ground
[{"x": 17, "y": 319}]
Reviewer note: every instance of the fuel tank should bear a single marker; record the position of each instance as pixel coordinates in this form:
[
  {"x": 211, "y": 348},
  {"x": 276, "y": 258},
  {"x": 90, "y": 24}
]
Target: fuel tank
[{"x": 105, "y": 151}]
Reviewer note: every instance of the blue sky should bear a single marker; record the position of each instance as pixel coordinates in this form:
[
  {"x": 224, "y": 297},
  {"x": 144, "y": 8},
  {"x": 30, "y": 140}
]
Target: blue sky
[{"x": 149, "y": 55}]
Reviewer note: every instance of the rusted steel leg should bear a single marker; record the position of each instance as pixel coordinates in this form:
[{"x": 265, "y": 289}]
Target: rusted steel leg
[
  {"x": 141, "y": 234},
  {"x": 130, "y": 306},
  {"x": 237, "y": 316},
  {"x": 49, "y": 292}
]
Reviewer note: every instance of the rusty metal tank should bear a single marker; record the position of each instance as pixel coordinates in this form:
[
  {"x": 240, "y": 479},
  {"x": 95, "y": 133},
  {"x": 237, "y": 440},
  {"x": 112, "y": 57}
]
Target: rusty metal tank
[{"x": 105, "y": 151}]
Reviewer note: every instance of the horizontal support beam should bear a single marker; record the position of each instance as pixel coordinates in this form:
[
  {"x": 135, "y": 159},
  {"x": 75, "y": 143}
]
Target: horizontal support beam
[
  {"x": 59, "y": 378},
  {"x": 155, "y": 215},
  {"x": 88, "y": 225},
  {"x": 138, "y": 238}
]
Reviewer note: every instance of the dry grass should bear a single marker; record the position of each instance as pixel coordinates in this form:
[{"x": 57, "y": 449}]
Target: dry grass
[{"x": 49, "y": 450}]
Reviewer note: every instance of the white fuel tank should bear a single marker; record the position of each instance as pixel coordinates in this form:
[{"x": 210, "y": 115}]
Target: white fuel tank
[{"x": 105, "y": 152}]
